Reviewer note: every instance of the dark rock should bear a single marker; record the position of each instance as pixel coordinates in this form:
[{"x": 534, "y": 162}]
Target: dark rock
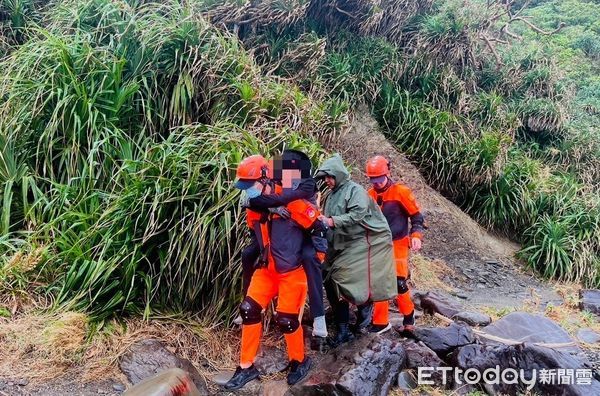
[
  {"x": 528, "y": 358},
  {"x": 366, "y": 366},
  {"x": 588, "y": 336},
  {"x": 147, "y": 358},
  {"x": 473, "y": 318},
  {"x": 589, "y": 300},
  {"x": 101, "y": 392},
  {"x": 23, "y": 382},
  {"x": 271, "y": 360},
  {"x": 443, "y": 340},
  {"x": 460, "y": 294},
  {"x": 437, "y": 302},
  {"x": 407, "y": 381},
  {"x": 419, "y": 355},
  {"x": 416, "y": 296},
  {"x": 527, "y": 327}
]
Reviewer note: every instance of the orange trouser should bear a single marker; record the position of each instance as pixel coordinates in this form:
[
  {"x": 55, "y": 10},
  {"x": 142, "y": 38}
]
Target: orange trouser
[
  {"x": 291, "y": 288},
  {"x": 405, "y": 304}
]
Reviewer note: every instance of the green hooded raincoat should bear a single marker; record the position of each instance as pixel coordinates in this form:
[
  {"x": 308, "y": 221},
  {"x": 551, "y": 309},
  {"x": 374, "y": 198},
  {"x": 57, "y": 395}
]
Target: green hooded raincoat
[{"x": 360, "y": 259}]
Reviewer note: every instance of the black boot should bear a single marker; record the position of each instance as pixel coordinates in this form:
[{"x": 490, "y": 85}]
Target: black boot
[
  {"x": 242, "y": 377},
  {"x": 343, "y": 335},
  {"x": 298, "y": 370},
  {"x": 319, "y": 344}
]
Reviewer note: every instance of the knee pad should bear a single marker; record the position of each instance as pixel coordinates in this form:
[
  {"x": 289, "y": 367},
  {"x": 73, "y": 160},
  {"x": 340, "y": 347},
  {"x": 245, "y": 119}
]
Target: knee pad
[
  {"x": 287, "y": 322},
  {"x": 250, "y": 311},
  {"x": 402, "y": 285}
]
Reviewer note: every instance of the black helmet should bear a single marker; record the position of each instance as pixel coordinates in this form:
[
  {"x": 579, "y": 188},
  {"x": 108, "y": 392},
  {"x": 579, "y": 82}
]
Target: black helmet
[{"x": 294, "y": 159}]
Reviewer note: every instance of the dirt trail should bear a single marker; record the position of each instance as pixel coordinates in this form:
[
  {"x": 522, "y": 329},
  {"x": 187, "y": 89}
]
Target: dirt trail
[{"x": 486, "y": 272}]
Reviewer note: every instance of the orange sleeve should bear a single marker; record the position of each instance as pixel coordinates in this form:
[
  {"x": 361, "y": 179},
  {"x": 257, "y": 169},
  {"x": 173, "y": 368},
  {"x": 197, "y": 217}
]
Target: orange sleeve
[
  {"x": 372, "y": 194},
  {"x": 405, "y": 196}
]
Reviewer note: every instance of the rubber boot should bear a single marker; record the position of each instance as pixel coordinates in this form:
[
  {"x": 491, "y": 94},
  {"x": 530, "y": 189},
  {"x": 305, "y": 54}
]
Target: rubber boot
[{"x": 343, "y": 335}]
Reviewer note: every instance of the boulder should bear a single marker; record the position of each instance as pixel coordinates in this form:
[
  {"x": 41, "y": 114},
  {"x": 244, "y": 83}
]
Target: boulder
[
  {"x": 473, "y": 318},
  {"x": 147, "y": 358},
  {"x": 367, "y": 366},
  {"x": 588, "y": 336},
  {"x": 530, "y": 328},
  {"x": 419, "y": 355},
  {"x": 167, "y": 383},
  {"x": 443, "y": 304},
  {"x": 407, "y": 381},
  {"x": 443, "y": 340},
  {"x": 589, "y": 300},
  {"x": 531, "y": 359},
  {"x": 416, "y": 296}
]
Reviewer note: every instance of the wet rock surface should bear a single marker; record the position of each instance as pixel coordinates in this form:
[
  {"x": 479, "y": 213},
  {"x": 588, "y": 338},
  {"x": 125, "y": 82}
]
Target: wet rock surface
[
  {"x": 436, "y": 302},
  {"x": 443, "y": 340},
  {"x": 532, "y": 360},
  {"x": 367, "y": 366},
  {"x": 589, "y": 300},
  {"x": 473, "y": 318},
  {"x": 530, "y": 328},
  {"x": 588, "y": 336},
  {"x": 419, "y": 355}
]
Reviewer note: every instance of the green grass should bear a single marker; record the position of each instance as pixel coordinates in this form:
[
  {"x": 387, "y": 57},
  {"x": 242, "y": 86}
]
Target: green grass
[{"x": 121, "y": 125}]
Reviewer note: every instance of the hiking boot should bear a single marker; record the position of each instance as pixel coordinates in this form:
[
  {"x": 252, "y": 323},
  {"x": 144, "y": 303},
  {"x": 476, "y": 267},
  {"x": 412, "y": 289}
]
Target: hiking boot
[
  {"x": 298, "y": 370},
  {"x": 380, "y": 329},
  {"x": 242, "y": 377},
  {"x": 343, "y": 335},
  {"x": 319, "y": 344}
]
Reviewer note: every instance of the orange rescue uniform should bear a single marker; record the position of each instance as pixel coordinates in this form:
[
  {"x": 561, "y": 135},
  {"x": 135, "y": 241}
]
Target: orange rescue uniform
[
  {"x": 289, "y": 284},
  {"x": 398, "y": 205}
]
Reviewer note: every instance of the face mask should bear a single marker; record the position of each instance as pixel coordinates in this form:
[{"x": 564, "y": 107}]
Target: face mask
[{"x": 253, "y": 192}]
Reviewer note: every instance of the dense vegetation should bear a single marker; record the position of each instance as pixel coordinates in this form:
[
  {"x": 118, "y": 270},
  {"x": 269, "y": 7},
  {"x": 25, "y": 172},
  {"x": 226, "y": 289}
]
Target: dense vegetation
[
  {"x": 495, "y": 102},
  {"x": 121, "y": 124},
  {"x": 120, "y": 121}
]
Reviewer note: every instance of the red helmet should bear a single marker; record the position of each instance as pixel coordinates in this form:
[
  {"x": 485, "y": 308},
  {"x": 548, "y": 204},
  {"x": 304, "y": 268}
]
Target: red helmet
[
  {"x": 378, "y": 166},
  {"x": 250, "y": 170}
]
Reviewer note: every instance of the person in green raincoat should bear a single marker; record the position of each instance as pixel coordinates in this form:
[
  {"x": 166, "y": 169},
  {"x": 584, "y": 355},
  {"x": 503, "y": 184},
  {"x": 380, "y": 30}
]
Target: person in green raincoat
[{"x": 359, "y": 266}]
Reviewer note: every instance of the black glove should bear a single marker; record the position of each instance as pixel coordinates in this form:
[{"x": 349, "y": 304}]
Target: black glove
[{"x": 281, "y": 211}]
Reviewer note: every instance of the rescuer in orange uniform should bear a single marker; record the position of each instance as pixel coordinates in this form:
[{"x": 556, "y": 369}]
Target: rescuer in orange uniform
[
  {"x": 398, "y": 206},
  {"x": 281, "y": 274}
]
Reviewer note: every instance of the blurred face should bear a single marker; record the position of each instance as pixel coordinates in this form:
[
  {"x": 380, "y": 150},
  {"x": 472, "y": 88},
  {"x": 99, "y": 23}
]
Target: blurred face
[
  {"x": 330, "y": 181},
  {"x": 289, "y": 176},
  {"x": 379, "y": 186}
]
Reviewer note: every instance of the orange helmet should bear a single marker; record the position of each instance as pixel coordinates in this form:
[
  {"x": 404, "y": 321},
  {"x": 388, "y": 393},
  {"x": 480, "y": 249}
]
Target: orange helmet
[
  {"x": 377, "y": 167},
  {"x": 250, "y": 170}
]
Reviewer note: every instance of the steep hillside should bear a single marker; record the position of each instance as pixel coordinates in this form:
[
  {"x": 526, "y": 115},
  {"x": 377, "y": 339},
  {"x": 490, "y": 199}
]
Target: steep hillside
[{"x": 485, "y": 268}]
